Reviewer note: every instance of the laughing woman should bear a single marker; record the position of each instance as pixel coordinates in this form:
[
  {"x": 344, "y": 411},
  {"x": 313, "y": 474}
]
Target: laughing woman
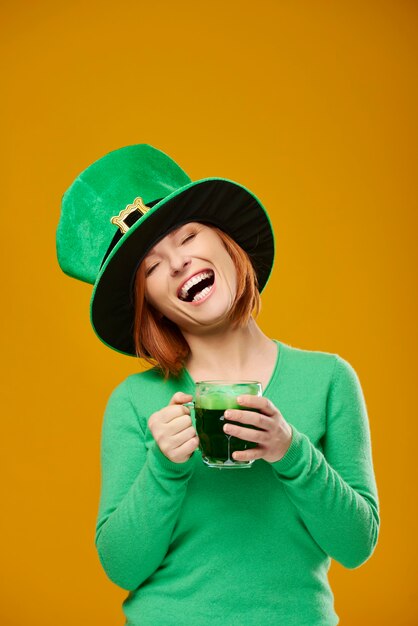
[{"x": 178, "y": 268}]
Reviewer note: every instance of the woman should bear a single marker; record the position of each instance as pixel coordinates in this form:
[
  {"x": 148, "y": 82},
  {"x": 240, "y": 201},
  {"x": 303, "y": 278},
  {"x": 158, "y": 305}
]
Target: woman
[
  {"x": 178, "y": 285},
  {"x": 203, "y": 328}
]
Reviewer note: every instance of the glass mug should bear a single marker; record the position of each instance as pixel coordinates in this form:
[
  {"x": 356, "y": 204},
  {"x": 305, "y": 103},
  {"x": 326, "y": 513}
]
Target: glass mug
[{"x": 212, "y": 399}]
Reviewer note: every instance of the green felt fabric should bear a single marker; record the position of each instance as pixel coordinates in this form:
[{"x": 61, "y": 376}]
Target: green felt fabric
[{"x": 103, "y": 190}]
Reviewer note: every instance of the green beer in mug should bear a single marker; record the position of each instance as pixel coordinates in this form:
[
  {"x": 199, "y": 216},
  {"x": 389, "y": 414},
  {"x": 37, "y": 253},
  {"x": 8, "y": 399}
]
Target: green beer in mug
[{"x": 212, "y": 399}]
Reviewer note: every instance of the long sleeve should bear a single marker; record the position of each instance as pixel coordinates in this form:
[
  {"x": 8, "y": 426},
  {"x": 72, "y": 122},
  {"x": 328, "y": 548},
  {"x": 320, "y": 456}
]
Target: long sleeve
[
  {"x": 335, "y": 491},
  {"x": 141, "y": 496}
]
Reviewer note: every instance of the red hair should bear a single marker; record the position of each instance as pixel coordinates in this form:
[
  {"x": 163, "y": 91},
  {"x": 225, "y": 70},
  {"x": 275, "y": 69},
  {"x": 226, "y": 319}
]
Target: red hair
[{"x": 160, "y": 342}]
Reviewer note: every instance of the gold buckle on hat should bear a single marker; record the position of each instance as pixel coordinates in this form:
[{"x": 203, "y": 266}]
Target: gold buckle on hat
[{"x": 137, "y": 205}]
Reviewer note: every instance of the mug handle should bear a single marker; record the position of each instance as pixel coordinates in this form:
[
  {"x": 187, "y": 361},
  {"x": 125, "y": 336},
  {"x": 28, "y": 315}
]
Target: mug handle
[{"x": 191, "y": 405}]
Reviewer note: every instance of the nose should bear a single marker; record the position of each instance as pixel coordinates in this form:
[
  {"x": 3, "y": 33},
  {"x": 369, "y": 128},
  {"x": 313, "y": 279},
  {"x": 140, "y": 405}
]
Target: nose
[{"x": 179, "y": 264}]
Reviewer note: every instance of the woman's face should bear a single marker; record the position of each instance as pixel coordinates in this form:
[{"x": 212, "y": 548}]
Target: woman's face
[{"x": 190, "y": 278}]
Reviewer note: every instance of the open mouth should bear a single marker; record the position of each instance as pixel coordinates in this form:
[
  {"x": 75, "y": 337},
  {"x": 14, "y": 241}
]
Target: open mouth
[{"x": 197, "y": 287}]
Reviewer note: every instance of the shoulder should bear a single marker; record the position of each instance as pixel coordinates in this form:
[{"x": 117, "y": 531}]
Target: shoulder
[
  {"x": 129, "y": 401},
  {"x": 316, "y": 365},
  {"x": 309, "y": 360},
  {"x": 146, "y": 381},
  {"x": 146, "y": 392}
]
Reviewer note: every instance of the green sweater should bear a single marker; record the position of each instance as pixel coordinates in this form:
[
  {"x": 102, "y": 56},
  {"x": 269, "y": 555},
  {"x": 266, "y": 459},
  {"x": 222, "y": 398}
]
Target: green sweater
[{"x": 200, "y": 546}]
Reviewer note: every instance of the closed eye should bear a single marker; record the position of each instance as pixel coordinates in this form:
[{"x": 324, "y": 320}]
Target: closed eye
[
  {"x": 188, "y": 237},
  {"x": 150, "y": 269}
]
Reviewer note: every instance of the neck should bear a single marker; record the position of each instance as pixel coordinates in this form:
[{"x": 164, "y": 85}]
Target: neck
[{"x": 226, "y": 353}]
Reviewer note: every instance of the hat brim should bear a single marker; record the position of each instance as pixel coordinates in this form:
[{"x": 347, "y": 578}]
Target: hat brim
[{"x": 214, "y": 201}]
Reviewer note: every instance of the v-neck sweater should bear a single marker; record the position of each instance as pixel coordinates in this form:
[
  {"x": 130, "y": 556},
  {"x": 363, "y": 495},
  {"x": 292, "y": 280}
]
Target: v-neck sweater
[{"x": 200, "y": 546}]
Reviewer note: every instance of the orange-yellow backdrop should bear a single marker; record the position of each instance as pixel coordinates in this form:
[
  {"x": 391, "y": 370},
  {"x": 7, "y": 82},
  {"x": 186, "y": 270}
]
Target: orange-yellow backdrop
[{"x": 313, "y": 106}]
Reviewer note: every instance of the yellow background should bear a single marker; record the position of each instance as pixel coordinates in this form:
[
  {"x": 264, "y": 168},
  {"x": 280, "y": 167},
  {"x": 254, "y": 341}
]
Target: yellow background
[{"x": 311, "y": 105}]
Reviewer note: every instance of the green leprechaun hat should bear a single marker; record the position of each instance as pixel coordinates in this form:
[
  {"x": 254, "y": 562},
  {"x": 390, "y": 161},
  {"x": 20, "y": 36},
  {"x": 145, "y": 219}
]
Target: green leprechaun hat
[{"x": 118, "y": 208}]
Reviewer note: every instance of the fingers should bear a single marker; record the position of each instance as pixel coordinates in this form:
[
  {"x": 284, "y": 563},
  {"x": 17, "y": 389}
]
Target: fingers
[
  {"x": 176, "y": 438},
  {"x": 182, "y": 437},
  {"x": 248, "y": 434},
  {"x": 173, "y": 430},
  {"x": 179, "y": 439},
  {"x": 183, "y": 452},
  {"x": 258, "y": 402},
  {"x": 262, "y": 421},
  {"x": 173, "y": 410},
  {"x": 248, "y": 455},
  {"x": 180, "y": 398},
  {"x": 178, "y": 425},
  {"x": 259, "y": 420}
]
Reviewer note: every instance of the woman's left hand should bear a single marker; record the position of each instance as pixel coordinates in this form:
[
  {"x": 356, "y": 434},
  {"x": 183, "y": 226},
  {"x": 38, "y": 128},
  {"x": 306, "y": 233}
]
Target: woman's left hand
[{"x": 273, "y": 440}]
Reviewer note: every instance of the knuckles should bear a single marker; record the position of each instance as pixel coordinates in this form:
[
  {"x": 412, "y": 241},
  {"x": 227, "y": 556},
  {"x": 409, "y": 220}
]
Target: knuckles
[
  {"x": 256, "y": 419},
  {"x": 268, "y": 405},
  {"x": 161, "y": 430}
]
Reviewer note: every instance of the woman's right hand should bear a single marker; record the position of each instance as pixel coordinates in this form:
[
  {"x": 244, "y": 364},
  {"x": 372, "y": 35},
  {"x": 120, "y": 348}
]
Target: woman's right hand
[{"x": 173, "y": 430}]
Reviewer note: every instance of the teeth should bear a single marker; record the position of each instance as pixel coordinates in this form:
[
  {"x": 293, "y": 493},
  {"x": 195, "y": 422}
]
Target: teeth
[
  {"x": 193, "y": 281},
  {"x": 202, "y": 294}
]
